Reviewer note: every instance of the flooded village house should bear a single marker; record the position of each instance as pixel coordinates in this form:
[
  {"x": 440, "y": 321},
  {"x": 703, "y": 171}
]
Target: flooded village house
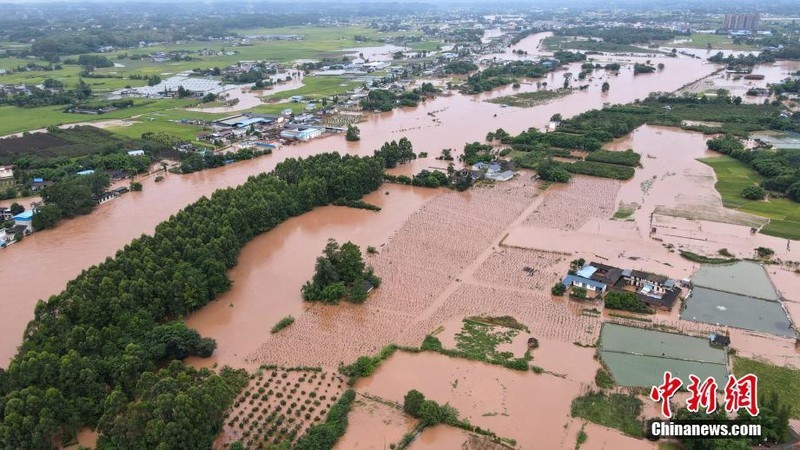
[{"x": 656, "y": 291}]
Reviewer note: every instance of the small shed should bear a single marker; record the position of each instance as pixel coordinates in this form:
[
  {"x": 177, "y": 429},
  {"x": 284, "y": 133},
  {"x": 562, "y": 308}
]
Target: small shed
[{"x": 720, "y": 340}]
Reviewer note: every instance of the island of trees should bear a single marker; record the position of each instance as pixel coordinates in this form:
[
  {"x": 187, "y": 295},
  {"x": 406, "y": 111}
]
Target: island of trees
[{"x": 340, "y": 274}]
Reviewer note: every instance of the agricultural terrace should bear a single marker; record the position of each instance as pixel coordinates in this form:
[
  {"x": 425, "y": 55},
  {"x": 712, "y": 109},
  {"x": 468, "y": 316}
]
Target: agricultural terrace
[{"x": 639, "y": 357}]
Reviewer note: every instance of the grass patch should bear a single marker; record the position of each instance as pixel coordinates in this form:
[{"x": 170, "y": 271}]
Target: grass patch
[
  {"x": 733, "y": 176},
  {"x": 604, "y": 379},
  {"x": 317, "y": 87},
  {"x": 479, "y": 341},
  {"x": 16, "y": 119},
  {"x": 530, "y": 99},
  {"x": 706, "y": 259},
  {"x": 283, "y": 323},
  {"x": 784, "y": 381},
  {"x": 625, "y": 211},
  {"x": 618, "y": 411}
]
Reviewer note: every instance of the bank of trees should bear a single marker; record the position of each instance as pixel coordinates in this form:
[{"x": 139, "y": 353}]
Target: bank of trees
[
  {"x": 742, "y": 60},
  {"x": 504, "y": 74},
  {"x": 385, "y": 100},
  {"x": 460, "y": 67},
  {"x": 620, "y": 35},
  {"x": 73, "y": 196},
  {"x": 340, "y": 273},
  {"x": 396, "y": 152},
  {"x": 115, "y": 321},
  {"x": 176, "y": 407}
]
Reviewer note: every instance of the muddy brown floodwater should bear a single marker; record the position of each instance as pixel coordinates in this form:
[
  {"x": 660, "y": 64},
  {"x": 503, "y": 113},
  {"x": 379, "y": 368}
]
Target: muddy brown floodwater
[
  {"x": 273, "y": 267},
  {"x": 41, "y": 265}
]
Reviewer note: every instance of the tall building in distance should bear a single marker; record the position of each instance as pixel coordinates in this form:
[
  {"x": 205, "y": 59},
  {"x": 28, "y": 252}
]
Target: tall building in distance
[{"x": 737, "y": 22}]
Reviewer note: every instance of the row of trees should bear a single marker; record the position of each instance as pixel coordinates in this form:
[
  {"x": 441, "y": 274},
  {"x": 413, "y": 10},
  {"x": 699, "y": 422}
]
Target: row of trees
[
  {"x": 105, "y": 329},
  {"x": 396, "y": 152}
]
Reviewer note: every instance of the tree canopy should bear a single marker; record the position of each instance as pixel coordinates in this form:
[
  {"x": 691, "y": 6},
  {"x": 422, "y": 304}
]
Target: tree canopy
[{"x": 117, "y": 320}]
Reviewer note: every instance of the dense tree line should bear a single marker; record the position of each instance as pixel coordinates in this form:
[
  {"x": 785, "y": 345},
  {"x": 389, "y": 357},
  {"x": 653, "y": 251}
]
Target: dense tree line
[
  {"x": 506, "y": 73},
  {"x": 93, "y": 61},
  {"x": 106, "y": 328},
  {"x": 620, "y": 35},
  {"x": 386, "y": 100},
  {"x": 476, "y": 152},
  {"x": 626, "y": 158},
  {"x": 460, "y": 67},
  {"x": 324, "y": 436},
  {"x": 748, "y": 60},
  {"x": 396, "y": 152},
  {"x": 176, "y": 407},
  {"x": 73, "y": 196},
  {"x": 642, "y": 68},
  {"x": 340, "y": 273}
]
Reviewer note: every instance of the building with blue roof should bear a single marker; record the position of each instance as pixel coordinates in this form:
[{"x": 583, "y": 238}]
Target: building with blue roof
[
  {"x": 591, "y": 285},
  {"x": 586, "y": 271},
  {"x": 25, "y": 218}
]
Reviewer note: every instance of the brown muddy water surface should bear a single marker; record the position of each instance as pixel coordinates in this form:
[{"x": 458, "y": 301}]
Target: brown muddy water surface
[
  {"x": 442, "y": 255},
  {"x": 42, "y": 264}
]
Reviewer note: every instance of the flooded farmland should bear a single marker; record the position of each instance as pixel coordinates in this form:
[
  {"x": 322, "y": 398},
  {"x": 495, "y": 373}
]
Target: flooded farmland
[
  {"x": 442, "y": 255},
  {"x": 445, "y": 122}
]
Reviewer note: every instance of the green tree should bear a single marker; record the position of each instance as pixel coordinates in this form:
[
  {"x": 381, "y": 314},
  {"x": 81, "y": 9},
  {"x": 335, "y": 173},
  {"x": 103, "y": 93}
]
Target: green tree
[
  {"x": 412, "y": 402},
  {"x": 353, "y": 133},
  {"x": 16, "y": 208},
  {"x": 47, "y": 216},
  {"x": 753, "y": 193}
]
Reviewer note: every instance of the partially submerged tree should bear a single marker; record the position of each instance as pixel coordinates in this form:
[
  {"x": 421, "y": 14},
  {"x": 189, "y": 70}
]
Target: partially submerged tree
[{"x": 340, "y": 273}]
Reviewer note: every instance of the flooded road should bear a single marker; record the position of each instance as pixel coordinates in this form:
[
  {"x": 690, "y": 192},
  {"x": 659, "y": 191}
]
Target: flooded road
[{"x": 41, "y": 265}]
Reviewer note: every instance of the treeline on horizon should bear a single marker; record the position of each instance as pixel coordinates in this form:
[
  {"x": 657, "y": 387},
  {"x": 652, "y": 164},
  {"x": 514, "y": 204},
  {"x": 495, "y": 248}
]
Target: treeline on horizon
[{"x": 89, "y": 356}]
